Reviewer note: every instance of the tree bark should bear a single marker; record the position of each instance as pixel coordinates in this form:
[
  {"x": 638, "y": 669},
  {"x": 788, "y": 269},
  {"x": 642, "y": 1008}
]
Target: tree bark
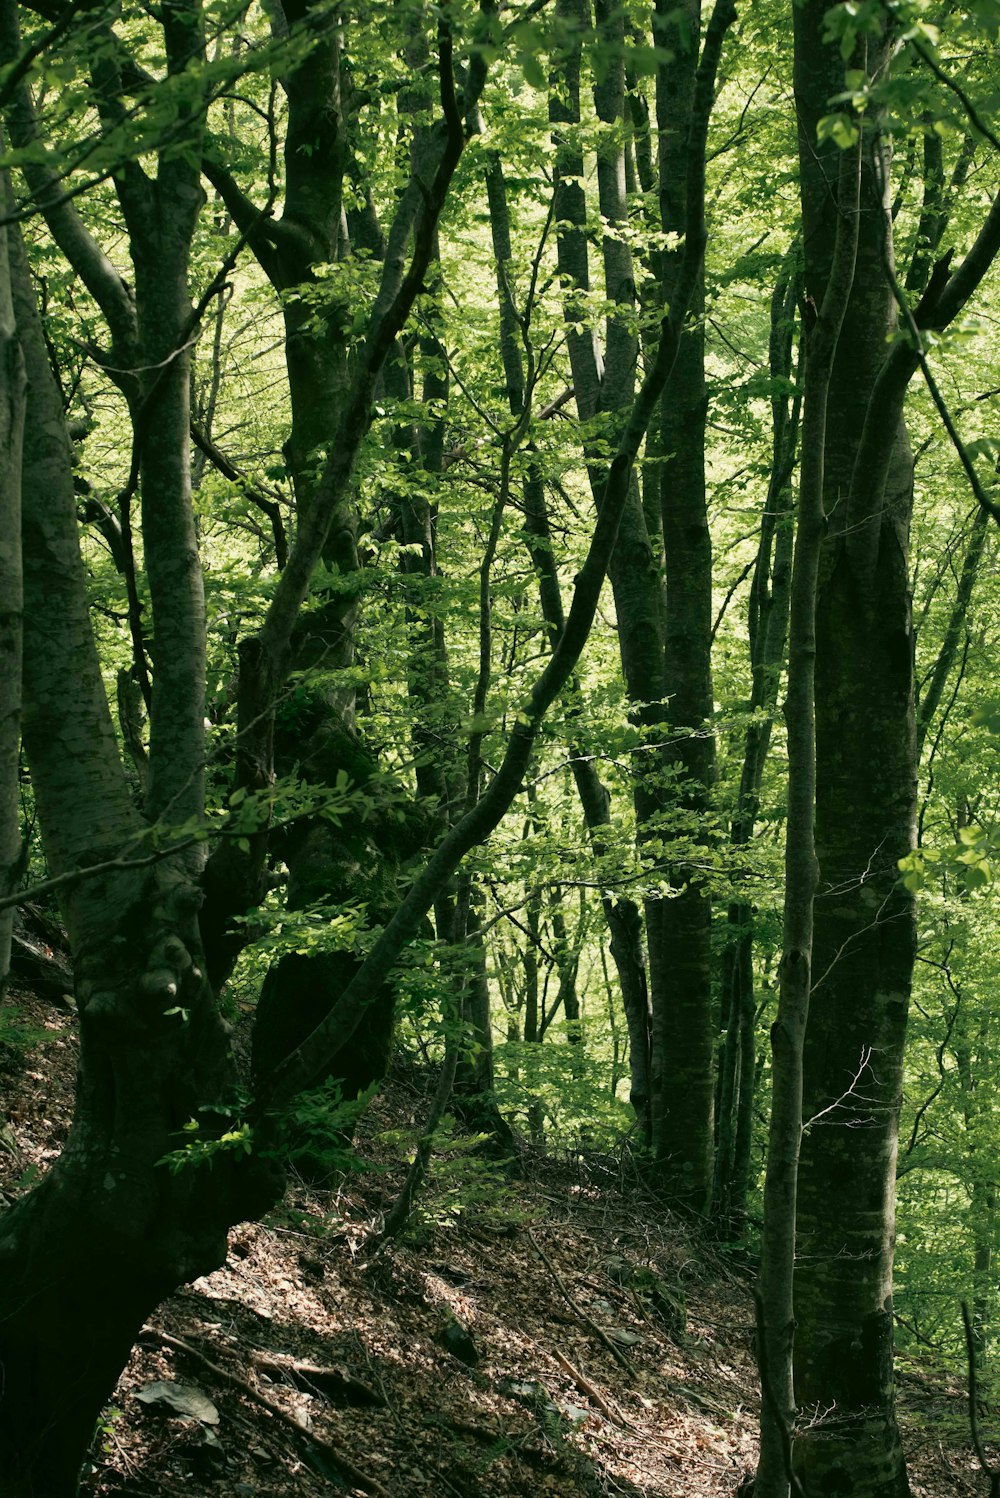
[
  {"x": 865, "y": 768},
  {"x": 87, "y": 1255},
  {"x": 680, "y": 928},
  {"x": 768, "y": 627},
  {"x": 776, "y": 1318},
  {"x": 865, "y": 821},
  {"x": 12, "y": 396}
]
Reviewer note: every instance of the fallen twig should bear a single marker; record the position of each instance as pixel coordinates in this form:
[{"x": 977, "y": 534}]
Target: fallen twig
[
  {"x": 357, "y": 1476},
  {"x": 586, "y": 1387},
  {"x": 335, "y": 1383},
  {"x": 588, "y": 1321}
]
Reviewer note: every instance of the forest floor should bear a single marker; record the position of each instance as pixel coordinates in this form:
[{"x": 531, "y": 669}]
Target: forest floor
[{"x": 560, "y": 1336}]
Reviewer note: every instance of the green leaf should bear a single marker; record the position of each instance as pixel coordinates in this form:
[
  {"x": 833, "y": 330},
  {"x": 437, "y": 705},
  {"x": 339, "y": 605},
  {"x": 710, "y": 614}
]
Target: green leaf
[
  {"x": 532, "y": 69},
  {"x": 840, "y": 128}
]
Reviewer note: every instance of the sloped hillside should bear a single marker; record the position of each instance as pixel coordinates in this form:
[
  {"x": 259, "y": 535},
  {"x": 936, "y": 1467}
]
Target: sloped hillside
[{"x": 559, "y": 1335}]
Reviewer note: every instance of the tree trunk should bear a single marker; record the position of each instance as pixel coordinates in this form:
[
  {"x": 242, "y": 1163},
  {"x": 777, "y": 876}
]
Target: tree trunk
[
  {"x": 359, "y": 862},
  {"x": 776, "y": 1302},
  {"x": 680, "y": 927},
  {"x": 865, "y": 765},
  {"x": 681, "y": 1058},
  {"x": 12, "y": 394},
  {"x": 86, "y": 1256},
  {"x": 768, "y": 627}
]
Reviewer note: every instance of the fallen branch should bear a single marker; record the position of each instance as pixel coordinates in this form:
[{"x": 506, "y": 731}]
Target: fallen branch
[
  {"x": 333, "y": 1383},
  {"x": 336, "y": 1456},
  {"x": 586, "y": 1387},
  {"x": 581, "y": 1315}
]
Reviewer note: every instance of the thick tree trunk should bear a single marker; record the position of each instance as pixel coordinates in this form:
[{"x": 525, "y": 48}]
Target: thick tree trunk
[
  {"x": 864, "y": 936},
  {"x": 86, "y": 1256},
  {"x": 679, "y": 927},
  {"x": 864, "y": 948},
  {"x": 865, "y": 814}
]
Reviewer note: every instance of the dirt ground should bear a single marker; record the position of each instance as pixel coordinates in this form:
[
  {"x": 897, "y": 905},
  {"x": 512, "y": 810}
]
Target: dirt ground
[{"x": 563, "y": 1336}]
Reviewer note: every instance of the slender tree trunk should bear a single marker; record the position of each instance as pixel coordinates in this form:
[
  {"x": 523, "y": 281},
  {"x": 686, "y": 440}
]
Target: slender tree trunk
[
  {"x": 930, "y": 699},
  {"x": 681, "y": 1073},
  {"x": 972, "y": 1070},
  {"x": 12, "y": 395},
  {"x": 768, "y": 626},
  {"x": 776, "y": 1320},
  {"x": 636, "y": 583},
  {"x": 622, "y": 915}
]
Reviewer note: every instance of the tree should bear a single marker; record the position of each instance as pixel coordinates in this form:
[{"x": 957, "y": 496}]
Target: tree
[
  {"x": 12, "y": 404},
  {"x": 464, "y": 354},
  {"x": 865, "y": 779},
  {"x": 664, "y": 641},
  {"x": 110, "y": 1230}
]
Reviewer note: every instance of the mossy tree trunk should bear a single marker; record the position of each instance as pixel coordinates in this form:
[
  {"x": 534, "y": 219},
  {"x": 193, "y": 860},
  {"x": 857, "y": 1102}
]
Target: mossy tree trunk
[
  {"x": 864, "y": 935},
  {"x": 87, "y": 1255}
]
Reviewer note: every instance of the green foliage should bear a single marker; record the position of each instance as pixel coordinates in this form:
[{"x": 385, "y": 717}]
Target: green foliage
[
  {"x": 564, "y": 1087},
  {"x": 204, "y": 1151},
  {"x": 427, "y": 495},
  {"x": 17, "y": 1036},
  {"x": 105, "y": 1432},
  {"x": 462, "y": 1181},
  {"x": 317, "y": 1128}
]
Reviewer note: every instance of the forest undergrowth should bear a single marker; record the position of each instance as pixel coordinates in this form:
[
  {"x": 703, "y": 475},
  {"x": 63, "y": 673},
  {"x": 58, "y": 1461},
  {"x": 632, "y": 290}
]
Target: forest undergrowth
[{"x": 543, "y": 1328}]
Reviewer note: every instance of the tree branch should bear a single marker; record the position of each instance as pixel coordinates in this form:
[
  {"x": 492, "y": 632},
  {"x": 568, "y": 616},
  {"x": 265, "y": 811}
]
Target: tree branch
[{"x": 228, "y": 469}]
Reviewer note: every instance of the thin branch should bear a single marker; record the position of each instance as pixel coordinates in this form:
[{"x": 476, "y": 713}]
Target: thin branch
[
  {"x": 228, "y": 469},
  {"x": 959, "y": 92},
  {"x": 588, "y": 1321}
]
